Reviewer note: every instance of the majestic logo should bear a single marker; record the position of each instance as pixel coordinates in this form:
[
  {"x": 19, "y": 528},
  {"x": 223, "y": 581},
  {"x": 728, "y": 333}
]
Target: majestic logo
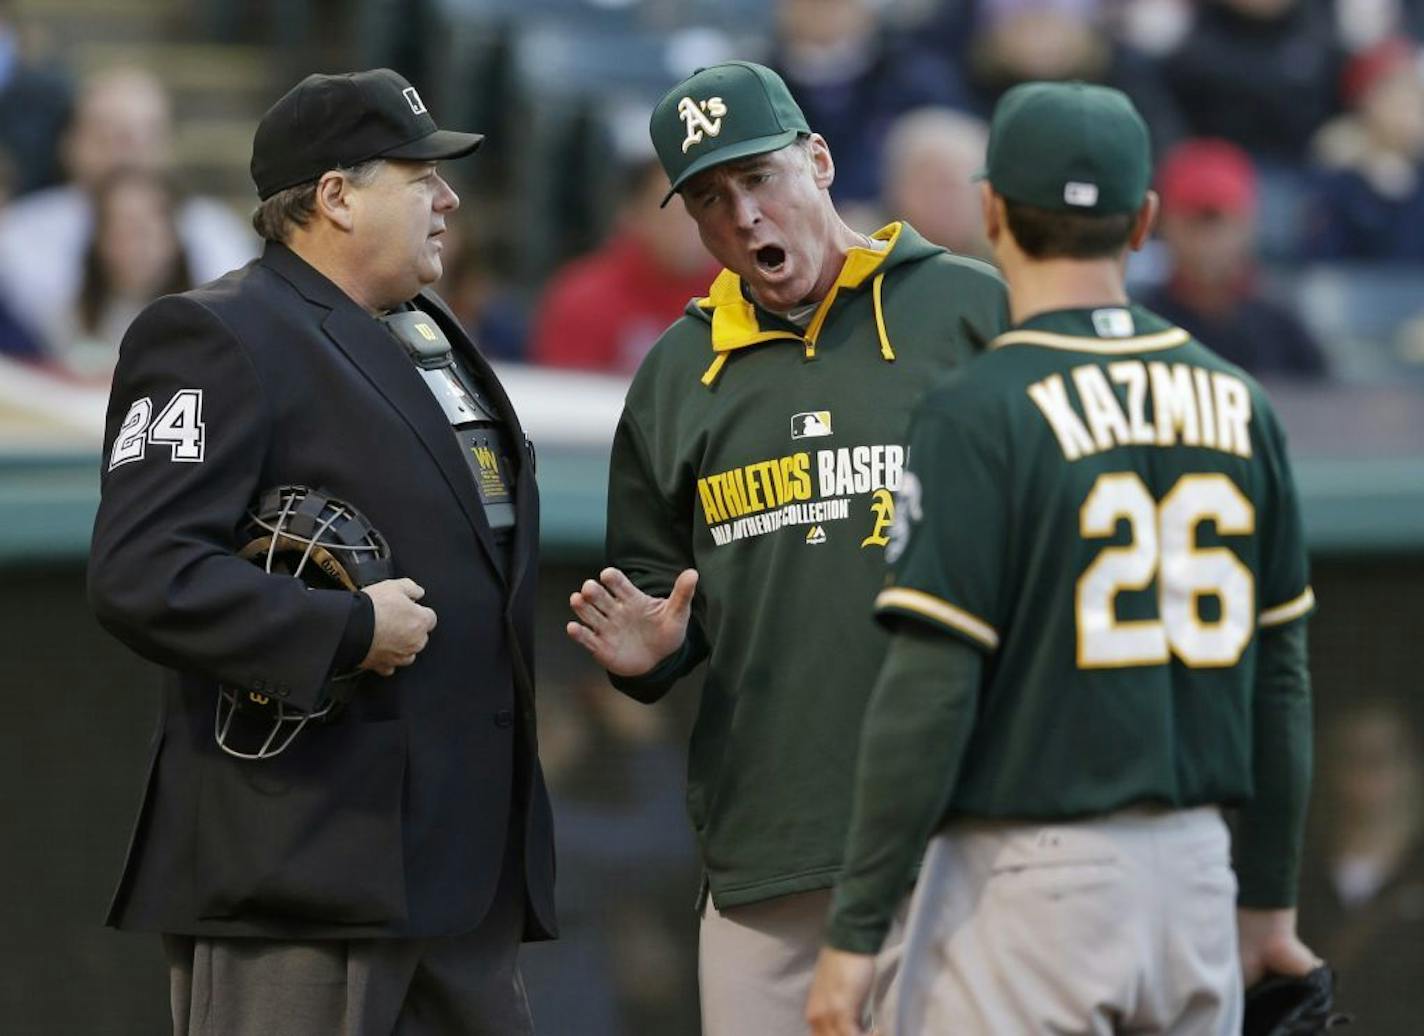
[
  {"x": 816, "y": 535},
  {"x": 427, "y": 332},
  {"x": 882, "y": 505},
  {"x": 811, "y": 425},
  {"x": 695, "y": 115},
  {"x": 417, "y": 106},
  {"x": 487, "y": 460}
]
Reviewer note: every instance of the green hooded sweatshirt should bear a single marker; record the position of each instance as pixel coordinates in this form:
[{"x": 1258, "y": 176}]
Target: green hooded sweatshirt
[{"x": 767, "y": 457}]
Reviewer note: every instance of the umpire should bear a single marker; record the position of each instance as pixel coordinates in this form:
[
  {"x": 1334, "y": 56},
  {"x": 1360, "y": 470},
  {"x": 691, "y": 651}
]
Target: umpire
[{"x": 379, "y": 873}]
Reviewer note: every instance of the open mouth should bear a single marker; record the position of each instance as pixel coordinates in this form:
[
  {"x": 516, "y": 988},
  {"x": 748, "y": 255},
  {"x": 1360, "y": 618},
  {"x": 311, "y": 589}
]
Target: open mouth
[{"x": 770, "y": 258}]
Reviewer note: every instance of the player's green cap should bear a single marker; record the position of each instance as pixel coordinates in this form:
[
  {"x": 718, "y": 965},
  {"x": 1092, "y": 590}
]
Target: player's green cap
[
  {"x": 1069, "y": 147},
  {"x": 722, "y": 113}
]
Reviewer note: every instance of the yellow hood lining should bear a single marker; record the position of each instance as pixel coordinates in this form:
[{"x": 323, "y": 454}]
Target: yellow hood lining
[{"x": 734, "y": 319}]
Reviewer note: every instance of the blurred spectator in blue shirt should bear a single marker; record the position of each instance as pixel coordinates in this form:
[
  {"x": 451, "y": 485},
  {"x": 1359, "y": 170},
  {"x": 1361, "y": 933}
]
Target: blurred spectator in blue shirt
[
  {"x": 121, "y": 120},
  {"x": 476, "y": 285},
  {"x": 16, "y": 340},
  {"x": 1208, "y": 190},
  {"x": 1260, "y": 73},
  {"x": 34, "y": 106},
  {"x": 852, "y": 78},
  {"x": 1369, "y": 204},
  {"x": 931, "y": 156}
]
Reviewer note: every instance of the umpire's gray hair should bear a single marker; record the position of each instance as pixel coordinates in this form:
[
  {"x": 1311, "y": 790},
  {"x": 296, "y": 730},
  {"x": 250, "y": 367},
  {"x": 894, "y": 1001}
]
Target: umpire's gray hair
[{"x": 279, "y": 215}]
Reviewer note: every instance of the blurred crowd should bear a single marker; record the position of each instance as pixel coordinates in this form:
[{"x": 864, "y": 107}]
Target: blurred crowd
[
  {"x": 1289, "y": 134},
  {"x": 1290, "y": 145}
]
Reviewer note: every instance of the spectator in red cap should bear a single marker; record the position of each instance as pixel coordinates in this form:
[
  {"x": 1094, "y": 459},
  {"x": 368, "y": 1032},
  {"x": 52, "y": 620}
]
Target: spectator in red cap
[
  {"x": 1370, "y": 198},
  {"x": 1208, "y": 223}
]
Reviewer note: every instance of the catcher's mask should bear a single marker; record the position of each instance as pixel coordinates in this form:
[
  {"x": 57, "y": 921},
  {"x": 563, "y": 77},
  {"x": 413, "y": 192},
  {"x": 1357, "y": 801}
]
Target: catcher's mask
[{"x": 328, "y": 545}]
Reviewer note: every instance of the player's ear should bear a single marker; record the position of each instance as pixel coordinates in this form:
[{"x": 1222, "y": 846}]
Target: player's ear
[
  {"x": 823, "y": 167},
  {"x": 333, "y": 200},
  {"x": 1144, "y": 221},
  {"x": 992, "y": 209}
]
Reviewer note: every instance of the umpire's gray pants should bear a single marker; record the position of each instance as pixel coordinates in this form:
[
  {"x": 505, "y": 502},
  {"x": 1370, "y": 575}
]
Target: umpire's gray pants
[
  {"x": 463, "y": 985},
  {"x": 1122, "y": 924}
]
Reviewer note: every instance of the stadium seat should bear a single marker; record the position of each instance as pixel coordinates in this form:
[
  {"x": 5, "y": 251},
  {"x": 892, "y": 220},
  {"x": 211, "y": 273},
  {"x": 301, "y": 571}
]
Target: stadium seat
[
  {"x": 1282, "y": 195},
  {"x": 1368, "y": 318}
]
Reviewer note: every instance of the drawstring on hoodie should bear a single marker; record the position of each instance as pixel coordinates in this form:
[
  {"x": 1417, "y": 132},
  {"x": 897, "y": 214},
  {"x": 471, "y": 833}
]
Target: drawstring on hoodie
[
  {"x": 718, "y": 362},
  {"x": 885, "y": 349}
]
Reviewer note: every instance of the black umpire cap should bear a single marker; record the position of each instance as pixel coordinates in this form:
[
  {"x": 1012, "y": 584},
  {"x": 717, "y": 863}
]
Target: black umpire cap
[{"x": 326, "y": 122}]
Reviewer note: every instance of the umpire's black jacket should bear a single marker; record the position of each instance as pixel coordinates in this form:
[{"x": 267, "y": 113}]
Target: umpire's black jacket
[{"x": 392, "y": 820}]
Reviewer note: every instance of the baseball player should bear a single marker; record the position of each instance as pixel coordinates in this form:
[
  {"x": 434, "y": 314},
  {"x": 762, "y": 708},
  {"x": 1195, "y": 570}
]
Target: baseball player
[
  {"x": 758, "y": 451},
  {"x": 1098, "y": 600}
]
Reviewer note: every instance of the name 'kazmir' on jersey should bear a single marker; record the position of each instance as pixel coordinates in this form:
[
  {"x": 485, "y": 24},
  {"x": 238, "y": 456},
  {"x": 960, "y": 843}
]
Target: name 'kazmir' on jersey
[{"x": 1105, "y": 505}]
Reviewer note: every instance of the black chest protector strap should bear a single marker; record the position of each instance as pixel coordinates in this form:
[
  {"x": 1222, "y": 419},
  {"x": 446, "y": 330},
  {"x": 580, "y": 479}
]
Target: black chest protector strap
[{"x": 483, "y": 435}]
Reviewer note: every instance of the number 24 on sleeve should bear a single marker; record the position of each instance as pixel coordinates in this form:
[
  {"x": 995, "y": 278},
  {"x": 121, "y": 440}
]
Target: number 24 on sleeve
[{"x": 179, "y": 426}]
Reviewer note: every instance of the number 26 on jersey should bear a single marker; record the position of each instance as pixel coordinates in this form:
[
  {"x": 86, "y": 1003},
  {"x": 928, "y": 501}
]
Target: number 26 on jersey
[
  {"x": 1163, "y": 548},
  {"x": 179, "y": 426}
]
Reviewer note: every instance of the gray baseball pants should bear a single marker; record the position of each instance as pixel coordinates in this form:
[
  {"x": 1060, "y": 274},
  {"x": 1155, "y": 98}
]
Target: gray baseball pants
[
  {"x": 1122, "y": 924},
  {"x": 755, "y": 964}
]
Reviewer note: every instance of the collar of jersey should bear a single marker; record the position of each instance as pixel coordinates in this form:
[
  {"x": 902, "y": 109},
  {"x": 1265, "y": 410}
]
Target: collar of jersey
[
  {"x": 1084, "y": 337},
  {"x": 737, "y": 323}
]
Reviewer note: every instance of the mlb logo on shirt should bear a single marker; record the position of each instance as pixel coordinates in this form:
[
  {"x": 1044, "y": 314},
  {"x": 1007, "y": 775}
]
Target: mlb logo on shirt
[
  {"x": 1113, "y": 323},
  {"x": 811, "y": 425}
]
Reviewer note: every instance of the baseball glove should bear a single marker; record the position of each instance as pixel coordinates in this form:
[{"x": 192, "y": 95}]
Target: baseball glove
[{"x": 1281, "y": 1005}]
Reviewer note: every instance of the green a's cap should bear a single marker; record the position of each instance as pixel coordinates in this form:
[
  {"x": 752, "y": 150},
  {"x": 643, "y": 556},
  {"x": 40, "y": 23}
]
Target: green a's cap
[
  {"x": 720, "y": 114},
  {"x": 1069, "y": 147}
]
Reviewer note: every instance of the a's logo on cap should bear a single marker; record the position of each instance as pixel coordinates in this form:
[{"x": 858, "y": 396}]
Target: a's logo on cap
[
  {"x": 1081, "y": 194},
  {"x": 692, "y": 113},
  {"x": 417, "y": 106}
]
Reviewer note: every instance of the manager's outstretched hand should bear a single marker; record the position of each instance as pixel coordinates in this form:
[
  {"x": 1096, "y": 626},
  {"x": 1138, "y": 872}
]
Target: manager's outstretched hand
[{"x": 627, "y": 631}]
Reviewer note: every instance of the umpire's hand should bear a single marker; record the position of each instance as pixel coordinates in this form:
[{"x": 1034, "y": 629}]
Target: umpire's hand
[{"x": 402, "y": 626}]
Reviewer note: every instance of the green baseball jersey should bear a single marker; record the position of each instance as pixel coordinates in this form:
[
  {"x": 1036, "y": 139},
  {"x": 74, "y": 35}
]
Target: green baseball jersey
[
  {"x": 766, "y": 455},
  {"x": 1105, "y": 506}
]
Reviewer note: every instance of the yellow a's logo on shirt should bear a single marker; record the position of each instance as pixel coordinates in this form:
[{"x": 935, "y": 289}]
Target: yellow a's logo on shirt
[{"x": 882, "y": 505}]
